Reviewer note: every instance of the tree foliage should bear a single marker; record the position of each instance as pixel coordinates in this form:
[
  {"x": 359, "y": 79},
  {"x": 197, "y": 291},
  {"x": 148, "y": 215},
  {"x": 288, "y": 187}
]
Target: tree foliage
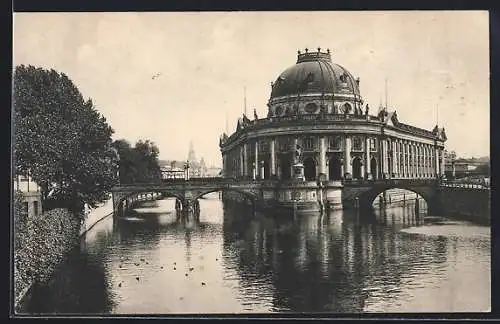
[
  {"x": 139, "y": 163},
  {"x": 61, "y": 139}
]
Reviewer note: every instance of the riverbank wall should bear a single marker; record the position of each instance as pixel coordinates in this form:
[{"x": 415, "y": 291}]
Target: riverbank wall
[
  {"x": 101, "y": 212},
  {"x": 467, "y": 204}
]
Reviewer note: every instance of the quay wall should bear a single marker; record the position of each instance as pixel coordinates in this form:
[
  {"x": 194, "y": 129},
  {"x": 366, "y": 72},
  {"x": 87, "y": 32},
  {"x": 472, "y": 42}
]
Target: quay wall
[{"x": 470, "y": 204}]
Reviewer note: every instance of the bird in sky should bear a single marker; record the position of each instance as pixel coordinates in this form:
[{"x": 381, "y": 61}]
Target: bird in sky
[{"x": 155, "y": 76}]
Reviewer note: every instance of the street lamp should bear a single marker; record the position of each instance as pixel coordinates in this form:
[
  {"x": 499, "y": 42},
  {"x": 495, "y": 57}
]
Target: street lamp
[{"x": 186, "y": 170}]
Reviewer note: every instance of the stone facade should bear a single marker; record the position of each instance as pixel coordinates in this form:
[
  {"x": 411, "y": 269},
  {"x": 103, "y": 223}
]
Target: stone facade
[
  {"x": 32, "y": 197},
  {"x": 316, "y": 118}
]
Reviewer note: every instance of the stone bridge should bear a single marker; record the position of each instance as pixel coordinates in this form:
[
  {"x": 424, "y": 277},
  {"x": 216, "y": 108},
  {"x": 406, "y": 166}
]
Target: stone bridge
[
  {"x": 354, "y": 192},
  {"x": 366, "y": 191},
  {"x": 185, "y": 191}
]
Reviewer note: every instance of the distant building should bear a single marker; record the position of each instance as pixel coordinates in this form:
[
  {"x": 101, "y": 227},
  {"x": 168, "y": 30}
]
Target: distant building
[
  {"x": 32, "y": 197},
  {"x": 456, "y": 168},
  {"x": 169, "y": 172}
]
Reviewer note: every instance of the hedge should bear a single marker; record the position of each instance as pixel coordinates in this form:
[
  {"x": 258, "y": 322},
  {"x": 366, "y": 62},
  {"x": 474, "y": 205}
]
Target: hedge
[{"x": 41, "y": 243}]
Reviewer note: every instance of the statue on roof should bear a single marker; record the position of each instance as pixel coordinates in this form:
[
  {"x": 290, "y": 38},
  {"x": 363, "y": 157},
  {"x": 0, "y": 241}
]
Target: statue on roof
[
  {"x": 246, "y": 120},
  {"x": 366, "y": 109},
  {"x": 382, "y": 114},
  {"x": 255, "y": 114}
]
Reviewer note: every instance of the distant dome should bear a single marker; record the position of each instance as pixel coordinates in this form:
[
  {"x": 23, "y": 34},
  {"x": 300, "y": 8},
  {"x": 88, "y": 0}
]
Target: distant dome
[{"x": 314, "y": 72}]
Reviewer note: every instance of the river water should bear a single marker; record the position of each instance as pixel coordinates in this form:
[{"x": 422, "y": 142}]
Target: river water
[{"x": 233, "y": 261}]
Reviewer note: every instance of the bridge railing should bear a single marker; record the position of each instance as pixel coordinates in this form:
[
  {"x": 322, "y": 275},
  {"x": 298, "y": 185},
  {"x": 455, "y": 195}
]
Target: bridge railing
[
  {"x": 466, "y": 185},
  {"x": 392, "y": 182}
]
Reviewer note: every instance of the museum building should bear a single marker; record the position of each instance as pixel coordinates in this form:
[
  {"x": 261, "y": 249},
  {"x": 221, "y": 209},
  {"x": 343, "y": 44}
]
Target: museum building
[{"x": 317, "y": 120}]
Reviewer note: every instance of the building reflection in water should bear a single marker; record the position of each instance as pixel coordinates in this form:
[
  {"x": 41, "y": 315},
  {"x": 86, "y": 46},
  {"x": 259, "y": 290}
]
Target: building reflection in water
[
  {"x": 333, "y": 262},
  {"x": 341, "y": 262}
]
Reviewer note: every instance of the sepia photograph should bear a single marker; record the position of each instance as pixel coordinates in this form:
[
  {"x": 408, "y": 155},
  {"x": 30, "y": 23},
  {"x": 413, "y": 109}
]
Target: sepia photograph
[{"x": 250, "y": 162}]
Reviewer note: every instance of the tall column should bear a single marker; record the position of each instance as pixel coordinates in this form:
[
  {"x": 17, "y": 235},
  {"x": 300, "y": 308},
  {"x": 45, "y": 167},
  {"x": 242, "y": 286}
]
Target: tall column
[
  {"x": 347, "y": 156},
  {"x": 322, "y": 155},
  {"x": 242, "y": 163},
  {"x": 403, "y": 159},
  {"x": 422, "y": 169},
  {"x": 394, "y": 159},
  {"x": 398, "y": 159},
  {"x": 442, "y": 163},
  {"x": 407, "y": 150},
  {"x": 273, "y": 157},
  {"x": 256, "y": 161},
  {"x": 429, "y": 158},
  {"x": 421, "y": 150},
  {"x": 408, "y": 159},
  {"x": 413, "y": 160},
  {"x": 424, "y": 158},
  {"x": 416, "y": 159},
  {"x": 368, "y": 158},
  {"x": 436, "y": 163},
  {"x": 245, "y": 160},
  {"x": 429, "y": 161},
  {"x": 385, "y": 166}
]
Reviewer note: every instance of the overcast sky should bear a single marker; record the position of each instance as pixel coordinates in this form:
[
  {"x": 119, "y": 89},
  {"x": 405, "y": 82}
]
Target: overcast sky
[{"x": 431, "y": 59}]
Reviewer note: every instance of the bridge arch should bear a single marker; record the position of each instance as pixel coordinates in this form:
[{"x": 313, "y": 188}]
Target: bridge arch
[
  {"x": 244, "y": 193},
  {"x": 166, "y": 193},
  {"x": 428, "y": 194}
]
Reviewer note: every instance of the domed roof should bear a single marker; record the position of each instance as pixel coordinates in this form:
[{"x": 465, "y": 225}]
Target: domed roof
[{"x": 314, "y": 72}]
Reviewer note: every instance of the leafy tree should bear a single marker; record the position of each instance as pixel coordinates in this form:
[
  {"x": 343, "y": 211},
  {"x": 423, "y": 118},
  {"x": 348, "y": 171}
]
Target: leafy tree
[
  {"x": 139, "y": 163},
  {"x": 61, "y": 139}
]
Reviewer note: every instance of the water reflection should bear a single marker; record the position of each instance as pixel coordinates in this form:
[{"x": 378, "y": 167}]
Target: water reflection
[
  {"x": 232, "y": 261},
  {"x": 75, "y": 289}
]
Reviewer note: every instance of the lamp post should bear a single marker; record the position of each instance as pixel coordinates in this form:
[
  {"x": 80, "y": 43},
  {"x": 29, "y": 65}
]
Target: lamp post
[
  {"x": 453, "y": 172},
  {"x": 186, "y": 170}
]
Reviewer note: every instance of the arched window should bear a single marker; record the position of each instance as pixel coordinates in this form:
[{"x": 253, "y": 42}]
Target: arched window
[
  {"x": 263, "y": 146},
  {"x": 335, "y": 143},
  {"x": 373, "y": 167},
  {"x": 309, "y": 169},
  {"x": 356, "y": 168},
  {"x": 285, "y": 144},
  {"x": 285, "y": 167},
  {"x": 335, "y": 169},
  {"x": 373, "y": 145},
  {"x": 357, "y": 143}
]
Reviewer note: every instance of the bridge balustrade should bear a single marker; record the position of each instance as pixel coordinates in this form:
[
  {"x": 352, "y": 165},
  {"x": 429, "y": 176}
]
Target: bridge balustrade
[
  {"x": 392, "y": 182},
  {"x": 465, "y": 185}
]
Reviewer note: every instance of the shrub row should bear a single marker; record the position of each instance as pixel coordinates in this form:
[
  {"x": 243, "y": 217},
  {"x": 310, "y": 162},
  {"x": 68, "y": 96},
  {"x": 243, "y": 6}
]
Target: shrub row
[{"x": 41, "y": 243}]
